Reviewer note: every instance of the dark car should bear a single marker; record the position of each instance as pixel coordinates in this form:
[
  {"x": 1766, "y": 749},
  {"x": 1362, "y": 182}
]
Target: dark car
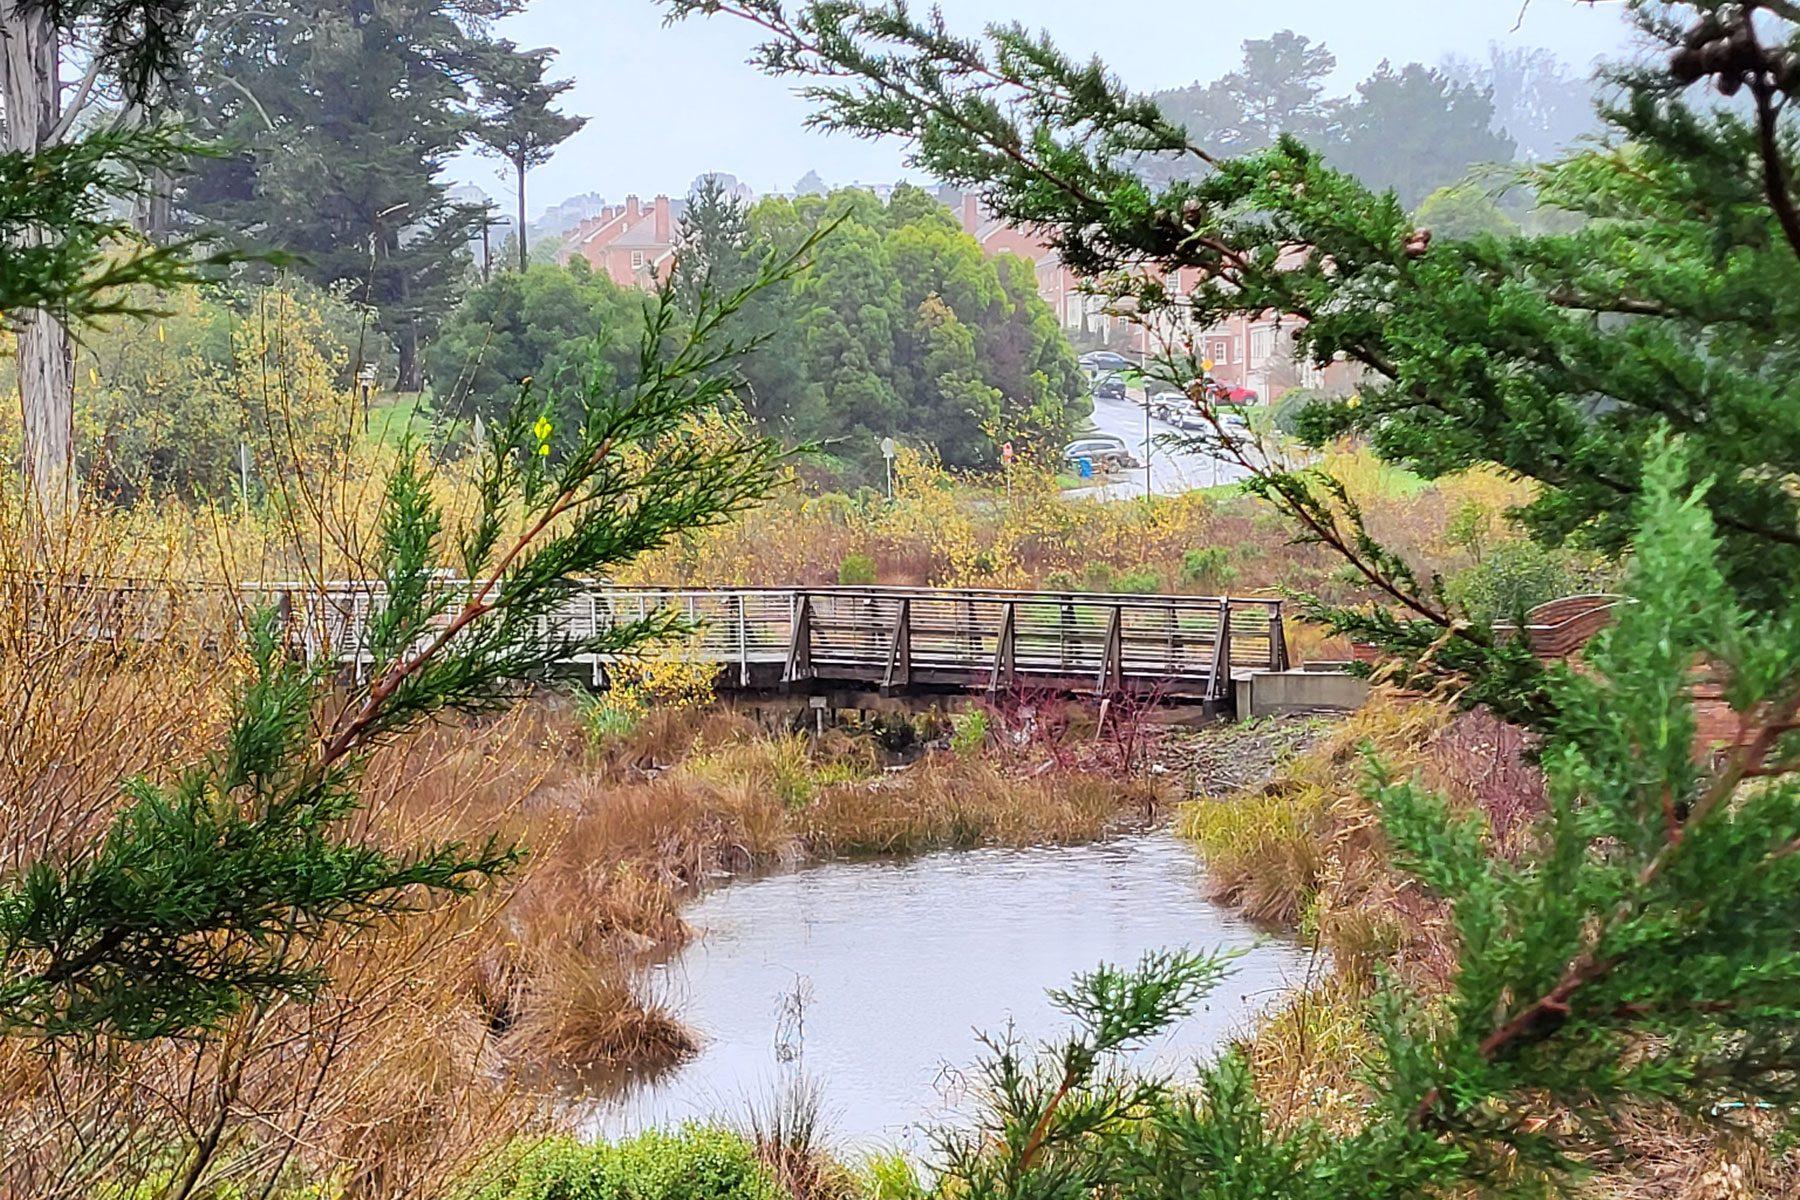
[
  {"x": 1109, "y": 387},
  {"x": 1106, "y": 360}
]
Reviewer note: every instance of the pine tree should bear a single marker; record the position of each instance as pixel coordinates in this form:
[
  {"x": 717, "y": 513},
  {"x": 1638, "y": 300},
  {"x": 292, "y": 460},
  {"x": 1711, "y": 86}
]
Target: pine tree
[
  {"x": 515, "y": 118},
  {"x": 714, "y": 239}
]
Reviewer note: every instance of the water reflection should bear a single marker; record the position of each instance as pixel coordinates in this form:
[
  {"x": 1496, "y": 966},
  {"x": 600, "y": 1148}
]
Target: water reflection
[{"x": 873, "y": 978}]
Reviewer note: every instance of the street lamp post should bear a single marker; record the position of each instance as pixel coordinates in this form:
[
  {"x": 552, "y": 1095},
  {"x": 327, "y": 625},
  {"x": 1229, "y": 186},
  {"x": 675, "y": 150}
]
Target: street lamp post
[{"x": 1148, "y": 488}]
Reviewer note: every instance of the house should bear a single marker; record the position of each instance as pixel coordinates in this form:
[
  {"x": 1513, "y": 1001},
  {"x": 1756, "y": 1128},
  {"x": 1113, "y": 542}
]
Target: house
[
  {"x": 632, "y": 243},
  {"x": 1246, "y": 352}
]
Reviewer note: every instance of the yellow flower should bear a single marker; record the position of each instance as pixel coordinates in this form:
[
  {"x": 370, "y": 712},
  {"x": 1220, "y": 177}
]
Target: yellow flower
[
  {"x": 542, "y": 429},
  {"x": 543, "y": 449}
]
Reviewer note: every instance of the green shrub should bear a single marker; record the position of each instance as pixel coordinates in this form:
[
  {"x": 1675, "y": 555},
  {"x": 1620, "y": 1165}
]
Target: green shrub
[
  {"x": 857, "y": 570},
  {"x": 1141, "y": 581},
  {"x": 1512, "y": 577},
  {"x": 1208, "y": 567},
  {"x": 968, "y": 731},
  {"x": 696, "y": 1163},
  {"x": 1061, "y": 581},
  {"x": 889, "y": 1177},
  {"x": 603, "y": 719},
  {"x": 1284, "y": 414}
]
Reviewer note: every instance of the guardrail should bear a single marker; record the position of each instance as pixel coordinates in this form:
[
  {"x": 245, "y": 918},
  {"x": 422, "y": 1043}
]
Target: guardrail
[{"x": 889, "y": 638}]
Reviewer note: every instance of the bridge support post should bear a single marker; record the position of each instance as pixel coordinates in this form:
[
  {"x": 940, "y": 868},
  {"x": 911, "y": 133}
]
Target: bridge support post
[
  {"x": 1112, "y": 660},
  {"x": 1005, "y": 653},
  {"x": 1219, "y": 681},
  {"x": 1278, "y": 651},
  {"x": 899, "y": 660},
  {"x": 799, "y": 659}
]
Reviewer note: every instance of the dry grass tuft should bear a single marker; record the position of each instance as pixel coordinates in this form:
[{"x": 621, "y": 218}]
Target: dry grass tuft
[{"x": 582, "y": 1014}]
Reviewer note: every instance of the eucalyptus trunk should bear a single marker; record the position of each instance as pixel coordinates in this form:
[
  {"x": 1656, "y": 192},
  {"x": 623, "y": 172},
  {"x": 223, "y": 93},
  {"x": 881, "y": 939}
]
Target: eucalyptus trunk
[{"x": 29, "y": 43}]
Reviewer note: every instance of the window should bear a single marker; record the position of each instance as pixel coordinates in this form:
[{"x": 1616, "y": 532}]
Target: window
[
  {"x": 637, "y": 260},
  {"x": 1262, "y": 345}
]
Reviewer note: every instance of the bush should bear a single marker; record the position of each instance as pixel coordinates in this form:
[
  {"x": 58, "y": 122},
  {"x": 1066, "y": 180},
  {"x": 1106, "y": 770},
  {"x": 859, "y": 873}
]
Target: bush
[
  {"x": 696, "y": 1163},
  {"x": 1513, "y": 577},
  {"x": 1209, "y": 568},
  {"x": 1284, "y": 414},
  {"x": 889, "y": 1177},
  {"x": 1142, "y": 581},
  {"x": 968, "y": 731},
  {"x": 857, "y": 570}
]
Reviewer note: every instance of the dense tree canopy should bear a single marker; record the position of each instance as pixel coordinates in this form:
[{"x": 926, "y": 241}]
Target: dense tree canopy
[
  {"x": 899, "y": 326},
  {"x": 338, "y": 117},
  {"x": 550, "y": 325},
  {"x": 903, "y": 327}
]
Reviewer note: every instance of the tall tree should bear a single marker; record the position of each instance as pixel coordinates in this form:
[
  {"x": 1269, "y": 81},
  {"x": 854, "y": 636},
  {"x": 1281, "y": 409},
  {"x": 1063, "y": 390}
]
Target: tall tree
[
  {"x": 1539, "y": 102},
  {"x": 341, "y": 115},
  {"x": 714, "y": 240},
  {"x": 64, "y": 253},
  {"x": 515, "y": 120},
  {"x": 1278, "y": 88},
  {"x": 1414, "y": 130}
]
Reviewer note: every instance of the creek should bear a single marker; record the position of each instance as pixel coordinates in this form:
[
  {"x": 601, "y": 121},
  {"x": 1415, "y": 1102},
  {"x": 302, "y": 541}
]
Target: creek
[{"x": 873, "y": 978}]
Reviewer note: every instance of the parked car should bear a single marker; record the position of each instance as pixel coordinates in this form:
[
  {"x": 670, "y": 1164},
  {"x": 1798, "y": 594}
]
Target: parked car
[
  {"x": 1104, "y": 453},
  {"x": 1105, "y": 360},
  {"x": 1109, "y": 387}
]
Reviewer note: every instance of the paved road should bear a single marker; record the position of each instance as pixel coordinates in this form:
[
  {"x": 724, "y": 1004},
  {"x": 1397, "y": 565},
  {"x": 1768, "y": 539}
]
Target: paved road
[{"x": 1172, "y": 469}]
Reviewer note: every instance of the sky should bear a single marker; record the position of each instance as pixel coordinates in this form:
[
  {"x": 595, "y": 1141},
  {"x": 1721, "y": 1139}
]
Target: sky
[{"x": 666, "y": 104}]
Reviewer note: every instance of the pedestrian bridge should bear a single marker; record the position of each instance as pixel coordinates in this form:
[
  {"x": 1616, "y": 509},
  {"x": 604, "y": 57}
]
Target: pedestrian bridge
[{"x": 891, "y": 639}]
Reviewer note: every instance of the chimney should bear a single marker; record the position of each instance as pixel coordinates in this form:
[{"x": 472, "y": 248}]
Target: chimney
[
  {"x": 971, "y": 212},
  {"x": 663, "y": 230},
  {"x": 632, "y": 209}
]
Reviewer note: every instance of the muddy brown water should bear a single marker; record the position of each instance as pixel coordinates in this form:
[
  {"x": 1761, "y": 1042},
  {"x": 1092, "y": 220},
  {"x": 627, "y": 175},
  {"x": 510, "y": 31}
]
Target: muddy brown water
[{"x": 873, "y": 979}]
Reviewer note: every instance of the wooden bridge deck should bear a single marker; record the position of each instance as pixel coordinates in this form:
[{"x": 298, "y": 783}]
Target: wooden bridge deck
[{"x": 896, "y": 639}]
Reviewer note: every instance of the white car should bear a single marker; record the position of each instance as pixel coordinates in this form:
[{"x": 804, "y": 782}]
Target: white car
[{"x": 1101, "y": 453}]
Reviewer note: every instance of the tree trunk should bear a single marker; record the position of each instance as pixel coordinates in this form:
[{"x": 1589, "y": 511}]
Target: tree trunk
[
  {"x": 524, "y": 262},
  {"x": 28, "y": 60}
]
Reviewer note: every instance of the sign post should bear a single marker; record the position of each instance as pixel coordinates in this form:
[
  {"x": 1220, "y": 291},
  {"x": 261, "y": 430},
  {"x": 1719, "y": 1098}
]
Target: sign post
[{"x": 887, "y": 452}]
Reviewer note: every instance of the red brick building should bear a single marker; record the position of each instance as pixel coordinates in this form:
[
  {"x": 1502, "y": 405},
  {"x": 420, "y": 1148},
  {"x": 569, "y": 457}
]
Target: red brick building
[{"x": 633, "y": 243}]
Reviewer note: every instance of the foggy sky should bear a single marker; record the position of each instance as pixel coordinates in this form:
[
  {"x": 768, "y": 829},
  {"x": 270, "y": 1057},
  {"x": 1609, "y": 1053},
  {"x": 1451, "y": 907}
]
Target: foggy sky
[{"x": 666, "y": 104}]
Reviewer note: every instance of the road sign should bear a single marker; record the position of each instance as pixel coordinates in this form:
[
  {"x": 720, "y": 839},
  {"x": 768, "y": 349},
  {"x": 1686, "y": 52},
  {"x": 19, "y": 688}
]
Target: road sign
[
  {"x": 888, "y": 447},
  {"x": 1006, "y": 452}
]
